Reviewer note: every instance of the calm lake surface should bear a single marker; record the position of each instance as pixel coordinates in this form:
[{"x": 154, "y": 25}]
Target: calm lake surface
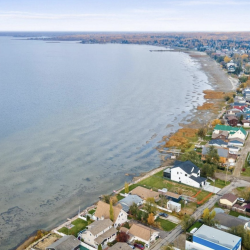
[{"x": 76, "y": 118}]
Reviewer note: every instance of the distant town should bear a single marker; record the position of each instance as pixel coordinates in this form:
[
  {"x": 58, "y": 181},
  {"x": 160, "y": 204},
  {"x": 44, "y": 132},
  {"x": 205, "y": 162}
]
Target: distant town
[{"x": 201, "y": 198}]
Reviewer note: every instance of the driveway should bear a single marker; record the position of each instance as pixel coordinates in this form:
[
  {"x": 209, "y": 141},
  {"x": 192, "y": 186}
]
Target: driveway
[
  {"x": 242, "y": 158},
  {"x": 211, "y": 189},
  {"x": 171, "y": 218}
]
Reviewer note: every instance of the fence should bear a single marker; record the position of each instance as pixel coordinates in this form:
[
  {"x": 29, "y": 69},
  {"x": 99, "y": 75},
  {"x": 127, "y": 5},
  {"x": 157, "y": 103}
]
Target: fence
[{"x": 234, "y": 209}]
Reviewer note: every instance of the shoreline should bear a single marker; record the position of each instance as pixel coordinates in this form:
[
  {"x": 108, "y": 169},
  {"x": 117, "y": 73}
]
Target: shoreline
[{"x": 214, "y": 82}]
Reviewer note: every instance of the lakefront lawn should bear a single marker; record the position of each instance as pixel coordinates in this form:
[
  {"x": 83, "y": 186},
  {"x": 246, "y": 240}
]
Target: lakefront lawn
[{"x": 79, "y": 225}]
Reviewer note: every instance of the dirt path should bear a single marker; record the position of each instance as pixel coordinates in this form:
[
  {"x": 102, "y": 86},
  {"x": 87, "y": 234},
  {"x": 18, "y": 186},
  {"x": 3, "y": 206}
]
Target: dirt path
[{"x": 241, "y": 160}]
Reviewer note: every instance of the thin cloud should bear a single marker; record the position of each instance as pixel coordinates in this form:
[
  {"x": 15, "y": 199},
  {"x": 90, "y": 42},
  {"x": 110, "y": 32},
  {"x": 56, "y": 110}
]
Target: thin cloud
[{"x": 193, "y": 3}]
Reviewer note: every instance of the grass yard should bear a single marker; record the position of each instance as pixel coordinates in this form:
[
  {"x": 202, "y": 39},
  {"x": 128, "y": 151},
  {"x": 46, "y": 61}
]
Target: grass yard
[
  {"x": 219, "y": 183},
  {"x": 79, "y": 225},
  {"x": 247, "y": 167},
  {"x": 236, "y": 214},
  {"x": 119, "y": 197},
  {"x": 166, "y": 225},
  {"x": 197, "y": 224},
  {"x": 92, "y": 211}
]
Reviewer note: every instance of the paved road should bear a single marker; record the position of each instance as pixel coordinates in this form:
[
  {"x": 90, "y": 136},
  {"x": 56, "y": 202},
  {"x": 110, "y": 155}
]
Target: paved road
[
  {"x": 241, "y": 160},
  {"x": 178, "y": 230}
]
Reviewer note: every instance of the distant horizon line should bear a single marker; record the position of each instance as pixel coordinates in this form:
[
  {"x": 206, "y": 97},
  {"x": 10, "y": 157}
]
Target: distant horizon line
[{"x": 38, "y": 31}]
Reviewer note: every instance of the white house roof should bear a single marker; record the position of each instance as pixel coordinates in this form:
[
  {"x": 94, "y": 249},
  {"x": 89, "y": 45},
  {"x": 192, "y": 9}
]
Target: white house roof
[{"x": 217, "y": 236}]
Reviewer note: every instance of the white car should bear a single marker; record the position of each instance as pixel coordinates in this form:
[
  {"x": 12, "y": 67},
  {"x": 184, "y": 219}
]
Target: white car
[{"x": 241, "y": 200}]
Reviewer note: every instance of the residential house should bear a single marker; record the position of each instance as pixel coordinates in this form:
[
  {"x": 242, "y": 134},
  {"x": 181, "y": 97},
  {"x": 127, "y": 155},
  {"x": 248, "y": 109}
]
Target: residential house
[
  {"x": 218, "y": 143},
  {"x": 143, "y": 233},
  {"x": 236, "y": 142},
  {"x": 245, "y": 123},
  {"x": 145, "y": 193},
  {"x": 233, "y": 131},
  {"x": 232, "y": 159},
  {"x": 232, "y": 121},
  {"x": 120, "y": 246},
  {"x": 232, "y": 111},
  {"x": 225, "y": 221},
  {"x": 233, "y": 149},
  {"x": 174, "y": 206},
  {"x": 239, "y": 207},
  {"x": 246, "y": 94},
  {"x": 239, "y": 99},
  {"x": 247, "y": 207},
  {"x": 209, "y": 238},
  {"x": 102, "y": 212},
  {"x": 66, "y": 242},
  {"x": 228, "y": 199},
  {"x": 100, "y": 232},
  {"x": 240, "y": 133},
  {"x": 223, "y": 135},
  {"x": 238, "y": 105},
  {"x": 222, "y": 152},
  {"x": 129, "y": 200},
  {"x": 231, "y": 67},
  {"x": 187, "y": 173}
]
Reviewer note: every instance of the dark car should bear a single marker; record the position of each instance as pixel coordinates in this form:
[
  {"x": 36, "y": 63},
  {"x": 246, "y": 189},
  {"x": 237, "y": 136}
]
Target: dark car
[
  {"x": 163, "y": 215},
  {"x": 140, "y": 246}
]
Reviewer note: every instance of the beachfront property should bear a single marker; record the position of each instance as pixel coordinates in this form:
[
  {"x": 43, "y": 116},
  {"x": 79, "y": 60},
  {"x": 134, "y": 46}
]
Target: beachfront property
[
  {"x": 208, "y": 238},
  {"x": 102, "y": 212},
  {"x": 145, "y": 193},
  {"x": 66, "y": 242},
  {"x": 218, "y": 143},
  {"x": 141, "y": 233},
  {"x": 100, "y": 232},
  {"x": 129, "y": 200},
  {"x": 233, "y": 132},
  {"x": 187, "y": 173},
  {"x": 239, "y": 105}
]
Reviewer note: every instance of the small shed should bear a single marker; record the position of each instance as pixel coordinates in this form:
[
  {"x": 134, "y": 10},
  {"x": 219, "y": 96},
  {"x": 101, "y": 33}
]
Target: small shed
[{"x": 174, "y": 206}]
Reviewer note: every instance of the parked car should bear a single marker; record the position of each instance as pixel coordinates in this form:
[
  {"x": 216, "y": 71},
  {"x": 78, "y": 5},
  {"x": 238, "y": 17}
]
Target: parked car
[
  {"x": 140, "y": 246},
  {"x": 163, "y": 215},
  {"x": 241, "y": 200},
  {"x": 131, "y": 246}
]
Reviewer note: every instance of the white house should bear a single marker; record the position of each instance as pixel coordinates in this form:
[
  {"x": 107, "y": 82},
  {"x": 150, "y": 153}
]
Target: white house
[
  {"x": 174, "y": 206},
  {"x": 102, "y": 212},
  {"x": 187, "y": 173},
  {"x": 142, "y": 233},
  {"x": 99, "y": 233},
  {"x": 240, "y": 133}
]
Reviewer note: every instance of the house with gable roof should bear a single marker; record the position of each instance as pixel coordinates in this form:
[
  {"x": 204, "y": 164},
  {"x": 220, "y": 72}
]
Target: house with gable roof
[
  {"x": 102, "y": 212},
  {"x": 234, "y": 132},
  {"x": 99, "y": 233},
  {"x": 188, "y": 173}
]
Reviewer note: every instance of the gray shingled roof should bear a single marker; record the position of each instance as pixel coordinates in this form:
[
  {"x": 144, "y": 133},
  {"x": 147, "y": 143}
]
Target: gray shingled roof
[
  {"x": 217, "y": 142},
  {"x": 99, "y": 225},
  {"x": 129, "y": 200},
  {"x": 197, "y": 179},
  {"x": 228, "y": 220},
  {"x": 67, "y": 242},
  {"x": 222, "y": 152},
  {"x": 187, "y": 166}
]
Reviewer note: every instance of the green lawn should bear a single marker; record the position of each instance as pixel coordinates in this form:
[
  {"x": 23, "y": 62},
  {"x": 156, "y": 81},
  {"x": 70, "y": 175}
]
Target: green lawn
[
  {"x": 236, "y": 214},
  {"x": 119, "y": 197},
  {"x": 197, "y": 224},
  {"x": 166, "y": 225},
  {"x": 240, "y": 188},
  {"x": 219, "y": 183},
  {"x": 203, "y": 143},
  {"x": 247, "y": 167},
  {"x": 92, "y": 211},
  {"x": 79, "y": 225}
]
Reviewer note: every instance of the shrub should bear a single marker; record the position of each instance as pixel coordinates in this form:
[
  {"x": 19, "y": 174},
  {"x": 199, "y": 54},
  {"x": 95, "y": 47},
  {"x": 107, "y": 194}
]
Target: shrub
[
  {"x": 140, "y": 242},
  {"x": 243, "y": 169}
]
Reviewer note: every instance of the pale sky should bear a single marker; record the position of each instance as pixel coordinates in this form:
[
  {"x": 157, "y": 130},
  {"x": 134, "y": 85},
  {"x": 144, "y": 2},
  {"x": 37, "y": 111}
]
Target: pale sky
[{"x": 124, "y": 15}]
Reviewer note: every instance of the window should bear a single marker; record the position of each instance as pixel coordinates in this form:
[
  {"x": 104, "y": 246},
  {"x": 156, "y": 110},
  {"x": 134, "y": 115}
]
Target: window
[
  {"x": 185, "y": 174},
  {"x": 179, "y": 177},
  {"x": 177, "y": 172}
]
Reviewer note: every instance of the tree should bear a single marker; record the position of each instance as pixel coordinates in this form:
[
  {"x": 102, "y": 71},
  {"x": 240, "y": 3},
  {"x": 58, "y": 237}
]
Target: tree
[
  {"x": 215, "y": 122},
  {"x": 122, "y": 237},
  {"x": 111, "y": 211},
  {"x": 247, "y": 68},
  {"x": 169, "y": 247},
  {"x": 208, "y": 218},
  {"x": 99, "y": 247},
  {"x": 226, "y": 98},
  {"x": 106, "y": 198},
  {"x": 163, "y": 201},
  {"x": 227, "y": 59},
  {"x": 244, "y": 234},
  {"x": 150, "y": 205},
  {"x": 151, "y": 219},
  {"x": 207, "y": 170},
  {"x": 133, "y": 209},
  {"x": 212, "y": 156},
  {"x": 126, "y": 188},
  {"x": 202, "y": 133},
  {"x": 241, "y": 117},
  {"x": 187, "y": 222},
  {"x": 139, "y": 215},
  {"x": 193, "y": 157}
]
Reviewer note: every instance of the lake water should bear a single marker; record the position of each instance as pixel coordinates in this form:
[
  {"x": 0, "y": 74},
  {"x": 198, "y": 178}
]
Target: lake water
[{"x": 76, "y": 118}]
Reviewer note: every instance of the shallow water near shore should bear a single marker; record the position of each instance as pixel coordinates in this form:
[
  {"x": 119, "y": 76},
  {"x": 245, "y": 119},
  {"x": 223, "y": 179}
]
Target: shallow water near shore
[{"x": 76, "y": 118}]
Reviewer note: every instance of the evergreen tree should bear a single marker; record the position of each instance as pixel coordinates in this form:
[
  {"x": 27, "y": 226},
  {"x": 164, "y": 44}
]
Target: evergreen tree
[{"x": 111, "y": 211}]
